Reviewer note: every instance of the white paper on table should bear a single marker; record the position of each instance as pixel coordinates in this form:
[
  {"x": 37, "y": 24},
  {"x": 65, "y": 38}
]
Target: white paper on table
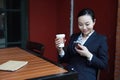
[{"x": 12, "y": 65}]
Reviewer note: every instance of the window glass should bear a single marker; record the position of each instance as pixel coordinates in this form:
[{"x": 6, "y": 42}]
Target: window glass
[
  {"x": 13, "y": 26},
  {"x": 12, "y": 4}
]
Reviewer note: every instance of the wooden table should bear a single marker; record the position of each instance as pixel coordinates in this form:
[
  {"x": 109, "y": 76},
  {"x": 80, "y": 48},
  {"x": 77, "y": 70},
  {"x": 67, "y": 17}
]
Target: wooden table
[{"x": 37, "y": 68}]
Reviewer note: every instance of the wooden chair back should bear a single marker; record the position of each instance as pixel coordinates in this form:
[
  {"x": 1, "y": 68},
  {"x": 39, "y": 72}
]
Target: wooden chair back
[{"x": 36, "y": 47}]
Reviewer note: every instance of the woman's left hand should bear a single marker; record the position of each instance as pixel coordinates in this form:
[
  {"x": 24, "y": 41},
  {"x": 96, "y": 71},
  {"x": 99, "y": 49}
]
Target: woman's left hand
[{"x": 82, "y": 50}]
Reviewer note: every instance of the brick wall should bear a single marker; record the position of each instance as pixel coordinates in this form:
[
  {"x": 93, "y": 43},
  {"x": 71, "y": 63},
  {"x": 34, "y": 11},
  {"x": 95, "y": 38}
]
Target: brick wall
[{"x": 117, "y": 55}]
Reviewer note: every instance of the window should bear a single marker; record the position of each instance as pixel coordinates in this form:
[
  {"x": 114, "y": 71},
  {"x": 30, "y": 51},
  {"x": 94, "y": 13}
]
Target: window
[{"x": 13, "y": 23}]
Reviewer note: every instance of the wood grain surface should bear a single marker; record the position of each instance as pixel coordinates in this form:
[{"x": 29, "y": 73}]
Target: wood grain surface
[{"x": 36, "y": 67}]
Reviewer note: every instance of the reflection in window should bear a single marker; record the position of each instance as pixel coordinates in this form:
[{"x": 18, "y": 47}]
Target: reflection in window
[
  {"x": 1, "y": 4},
  {"x": 2, "y": 36}
]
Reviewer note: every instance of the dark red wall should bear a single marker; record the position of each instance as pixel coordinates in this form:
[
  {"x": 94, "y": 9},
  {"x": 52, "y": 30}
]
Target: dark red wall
[
  {"x": 43, "y": 24},
  {"x": 48, "y": 17}
]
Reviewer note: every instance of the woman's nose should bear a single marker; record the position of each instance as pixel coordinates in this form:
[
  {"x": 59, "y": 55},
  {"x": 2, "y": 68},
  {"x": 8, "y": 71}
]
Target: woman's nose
[{"x": 84, "y": 27}]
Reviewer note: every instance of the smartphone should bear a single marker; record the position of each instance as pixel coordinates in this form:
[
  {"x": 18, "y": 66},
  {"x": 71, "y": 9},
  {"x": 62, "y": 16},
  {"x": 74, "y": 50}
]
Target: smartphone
[{"x": 78, "y": 47}]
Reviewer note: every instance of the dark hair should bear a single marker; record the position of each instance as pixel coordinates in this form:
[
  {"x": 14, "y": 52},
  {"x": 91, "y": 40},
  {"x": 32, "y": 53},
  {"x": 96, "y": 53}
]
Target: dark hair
[{"x": 87, "y": 11}]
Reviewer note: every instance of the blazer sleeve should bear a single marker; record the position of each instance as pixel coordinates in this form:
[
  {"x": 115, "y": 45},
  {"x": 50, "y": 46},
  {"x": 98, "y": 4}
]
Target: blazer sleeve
[
  {"x": 65, "y": 58},
  {"x": 101, "y": 60},
  {"x": 68, "y": 49}
]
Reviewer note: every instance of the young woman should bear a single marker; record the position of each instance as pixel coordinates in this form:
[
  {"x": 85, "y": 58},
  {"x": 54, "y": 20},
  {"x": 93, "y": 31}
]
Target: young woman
[{"x": 87, "y": 50}]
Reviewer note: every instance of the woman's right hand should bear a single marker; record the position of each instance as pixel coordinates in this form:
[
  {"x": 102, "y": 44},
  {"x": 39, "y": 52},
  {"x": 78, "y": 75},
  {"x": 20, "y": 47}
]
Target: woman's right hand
[{"x": 58, "y": 41}]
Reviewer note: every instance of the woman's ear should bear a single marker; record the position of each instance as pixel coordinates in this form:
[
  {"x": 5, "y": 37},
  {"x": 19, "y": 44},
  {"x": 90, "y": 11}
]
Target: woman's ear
[{"x": 94, "y": 21}]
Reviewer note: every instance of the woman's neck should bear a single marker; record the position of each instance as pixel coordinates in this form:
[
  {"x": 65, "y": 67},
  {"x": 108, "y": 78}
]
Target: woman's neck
[{"x": 86, "y": 35}]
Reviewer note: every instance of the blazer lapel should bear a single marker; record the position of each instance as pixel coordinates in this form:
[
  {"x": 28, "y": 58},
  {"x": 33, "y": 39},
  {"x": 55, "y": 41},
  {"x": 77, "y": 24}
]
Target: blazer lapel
[{"x": 92, "y": 37}]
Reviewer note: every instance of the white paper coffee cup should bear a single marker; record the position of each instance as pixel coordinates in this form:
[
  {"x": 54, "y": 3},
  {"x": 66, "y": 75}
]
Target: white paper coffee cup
[{"x": 61, "y": 36}]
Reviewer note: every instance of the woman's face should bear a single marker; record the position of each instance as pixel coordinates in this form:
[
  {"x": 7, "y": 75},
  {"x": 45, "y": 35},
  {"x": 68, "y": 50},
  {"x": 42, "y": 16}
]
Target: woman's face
[{"x": 85, "y": 24}]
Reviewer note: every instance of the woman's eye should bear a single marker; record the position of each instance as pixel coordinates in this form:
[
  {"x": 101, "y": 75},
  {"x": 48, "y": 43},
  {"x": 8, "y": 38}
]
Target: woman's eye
[
  {"x": 87, "y": 24},
  {"x": 80, "y": 24}
]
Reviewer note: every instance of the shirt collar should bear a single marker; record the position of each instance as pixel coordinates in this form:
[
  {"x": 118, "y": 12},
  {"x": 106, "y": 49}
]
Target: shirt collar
[{"x": 88, "y": 34}]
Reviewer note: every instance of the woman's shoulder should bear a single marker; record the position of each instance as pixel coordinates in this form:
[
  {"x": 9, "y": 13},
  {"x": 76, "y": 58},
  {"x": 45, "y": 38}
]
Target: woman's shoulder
[
  {"x": 100, "y": 36},
  {"x": 75, "y": 34}
]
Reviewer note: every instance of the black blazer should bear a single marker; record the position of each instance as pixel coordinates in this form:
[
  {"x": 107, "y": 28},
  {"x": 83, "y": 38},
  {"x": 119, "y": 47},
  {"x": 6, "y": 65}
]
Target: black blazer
[{"x": 87, "y": 70}]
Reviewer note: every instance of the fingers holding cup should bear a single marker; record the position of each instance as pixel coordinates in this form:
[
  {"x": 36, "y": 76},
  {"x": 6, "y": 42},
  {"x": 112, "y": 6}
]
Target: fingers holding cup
[{"x": 60, "y": 40}]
